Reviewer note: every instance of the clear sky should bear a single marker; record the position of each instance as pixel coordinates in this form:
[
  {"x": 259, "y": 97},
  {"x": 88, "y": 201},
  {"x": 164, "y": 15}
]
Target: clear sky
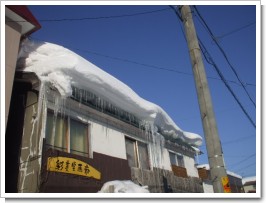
[{"x": 137, "y": 49}]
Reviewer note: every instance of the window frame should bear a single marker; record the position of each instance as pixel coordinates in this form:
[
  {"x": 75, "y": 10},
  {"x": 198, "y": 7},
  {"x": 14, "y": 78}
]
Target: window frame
[
  {"x": 67, "y": 135},
  {"x": 177, "y": 161},
  {"x": 137, "y": 153}
]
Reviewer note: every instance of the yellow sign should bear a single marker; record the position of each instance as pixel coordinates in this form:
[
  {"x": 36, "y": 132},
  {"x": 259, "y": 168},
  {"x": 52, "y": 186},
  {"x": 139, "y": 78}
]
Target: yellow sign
[
  {"x": 226, "y": 185},
  {"x": 72, "y": 166}
]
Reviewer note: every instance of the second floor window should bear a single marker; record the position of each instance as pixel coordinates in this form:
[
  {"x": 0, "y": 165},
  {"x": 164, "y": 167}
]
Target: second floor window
[
  {"x": 137, "y": 154},
  {"x": 66, "y": 134},
  {"x": 176, "y": 159}
]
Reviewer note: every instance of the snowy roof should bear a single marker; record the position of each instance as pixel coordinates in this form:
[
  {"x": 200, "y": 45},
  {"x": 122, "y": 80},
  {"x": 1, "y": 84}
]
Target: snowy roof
[
  {"x": 64, "y": 69},
  {"x": 233, "y": 174},
  {"x": 248, "y": 179},
  {"x": 207, "y": 167}
]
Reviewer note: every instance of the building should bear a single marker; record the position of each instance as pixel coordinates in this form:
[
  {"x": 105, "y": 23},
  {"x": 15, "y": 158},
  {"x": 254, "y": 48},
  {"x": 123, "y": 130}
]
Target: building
[
  {"x": 77, "y": 128},
  {"x": 235, "y": 180},
  {"x": 249, "y": 184},
  {"x": 205, "y": 176},
  {"x": 19, "y": 23}
]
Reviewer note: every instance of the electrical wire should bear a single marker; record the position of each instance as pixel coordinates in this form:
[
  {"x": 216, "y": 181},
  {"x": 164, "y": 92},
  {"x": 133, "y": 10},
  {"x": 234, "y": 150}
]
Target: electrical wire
[
  {"x": 98, "y": 18},
  {"x": 181, "y": 20},
  {"x": 235, "y": 140},
  {"x": 238, "y": 140},
  {"x": 245, "y": 167},
  {"x": 235, "y": 30},
  {"x": 209, "y": 60},
  {"x": 243, "y": 160},
  {"x": 224, "y": 54},
  {"x": 135, "y": 62}
]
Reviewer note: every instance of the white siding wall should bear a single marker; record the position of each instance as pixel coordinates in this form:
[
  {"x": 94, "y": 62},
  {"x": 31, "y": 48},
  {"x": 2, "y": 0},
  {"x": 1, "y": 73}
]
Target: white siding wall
[
  {"x": 166, "y": 160},
  {"x": 107, "y": 141},
  {"x": 207, "y": 187},
  {"x": 190, "y": 166},
  {"x": 111, "y": 142}
]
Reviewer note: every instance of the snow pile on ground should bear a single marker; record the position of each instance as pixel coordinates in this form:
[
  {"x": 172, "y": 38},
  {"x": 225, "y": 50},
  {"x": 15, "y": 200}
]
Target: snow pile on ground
[
  {"x": 125, "y": 186},
  {"x": 63, "y": 68}
]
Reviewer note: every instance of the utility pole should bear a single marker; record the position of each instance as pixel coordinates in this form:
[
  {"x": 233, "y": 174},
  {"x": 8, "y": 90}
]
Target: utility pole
[{"x": 214, "y": 149}]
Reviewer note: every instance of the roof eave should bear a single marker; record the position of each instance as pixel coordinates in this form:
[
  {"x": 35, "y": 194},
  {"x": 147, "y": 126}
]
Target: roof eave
[{"x": 23, "y": 16}]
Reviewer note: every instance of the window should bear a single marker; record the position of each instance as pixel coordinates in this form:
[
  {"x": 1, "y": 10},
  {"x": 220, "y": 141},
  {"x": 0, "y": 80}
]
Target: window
[
  {"x": 131, "y": 153},
  {"x": 180, "y": 160},
  {"x": 176, "y": 159},
  {"x": 137, "y": 154},
  {"x": 78, "y": 138},
  {"x": 56, "y": 131},
  {"x": 172, "y": 158},
  {"x": 143, "y": 155},
  {"x": 66, "y": 134}
]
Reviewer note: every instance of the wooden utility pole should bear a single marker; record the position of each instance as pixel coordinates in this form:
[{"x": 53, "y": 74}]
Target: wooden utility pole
[{"x": 214, "y": 149}]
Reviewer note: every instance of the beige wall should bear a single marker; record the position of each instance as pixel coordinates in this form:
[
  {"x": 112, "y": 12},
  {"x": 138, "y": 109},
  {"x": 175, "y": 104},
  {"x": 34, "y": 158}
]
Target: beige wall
[
  {"x": 30, "y": 155},
  {"x": 12, "y": 32},
  {"x": 248, "y": 188}
]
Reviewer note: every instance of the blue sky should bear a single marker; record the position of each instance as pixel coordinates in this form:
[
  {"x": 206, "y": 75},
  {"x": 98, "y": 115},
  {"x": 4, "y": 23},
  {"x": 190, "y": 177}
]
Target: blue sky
[{"x": 127, "y": 47}]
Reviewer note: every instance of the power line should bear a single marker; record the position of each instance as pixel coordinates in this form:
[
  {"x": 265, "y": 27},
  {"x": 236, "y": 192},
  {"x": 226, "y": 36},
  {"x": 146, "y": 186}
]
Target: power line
[
  {"x": 235, "y": 30},
  {"x": 180, "y": 18},
  {"x": 236, "y": 156},
  {"x": 236, "y": 140},
  {"x": 217, "y": 111},
  {"x": 99, "y": 17},
  {"x": 224, "y": 54},
  {"x": 209, "y": 60},
  {"x": 243, "y": 160},
  {"x": 245, "y": 167},
  {"x": 135, "y": 62}
]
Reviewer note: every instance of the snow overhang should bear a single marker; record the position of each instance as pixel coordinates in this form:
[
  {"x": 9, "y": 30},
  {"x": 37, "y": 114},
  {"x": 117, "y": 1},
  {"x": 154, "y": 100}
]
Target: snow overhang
[{"x": 64, "y": 69}]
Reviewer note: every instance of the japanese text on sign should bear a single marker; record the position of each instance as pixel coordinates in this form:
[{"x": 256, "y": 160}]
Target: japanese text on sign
[{"x": 72, "y": 166}]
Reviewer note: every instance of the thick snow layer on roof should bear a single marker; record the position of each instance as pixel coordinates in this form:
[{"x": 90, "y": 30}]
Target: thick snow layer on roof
[
  {"x": 63, "y": 68},
  {"x": 123, "y": 186}
]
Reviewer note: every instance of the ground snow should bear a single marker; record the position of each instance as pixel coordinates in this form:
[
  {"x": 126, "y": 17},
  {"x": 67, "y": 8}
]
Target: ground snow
[
  {"x": 63, "y": 68},
  {"x": 123, "y": 186}
]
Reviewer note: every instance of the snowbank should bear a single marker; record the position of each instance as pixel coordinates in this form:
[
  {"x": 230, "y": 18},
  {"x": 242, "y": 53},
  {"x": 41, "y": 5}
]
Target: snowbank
[
  {"x": 125, "y": 186},
  {"x": 63, "y": 68}
]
